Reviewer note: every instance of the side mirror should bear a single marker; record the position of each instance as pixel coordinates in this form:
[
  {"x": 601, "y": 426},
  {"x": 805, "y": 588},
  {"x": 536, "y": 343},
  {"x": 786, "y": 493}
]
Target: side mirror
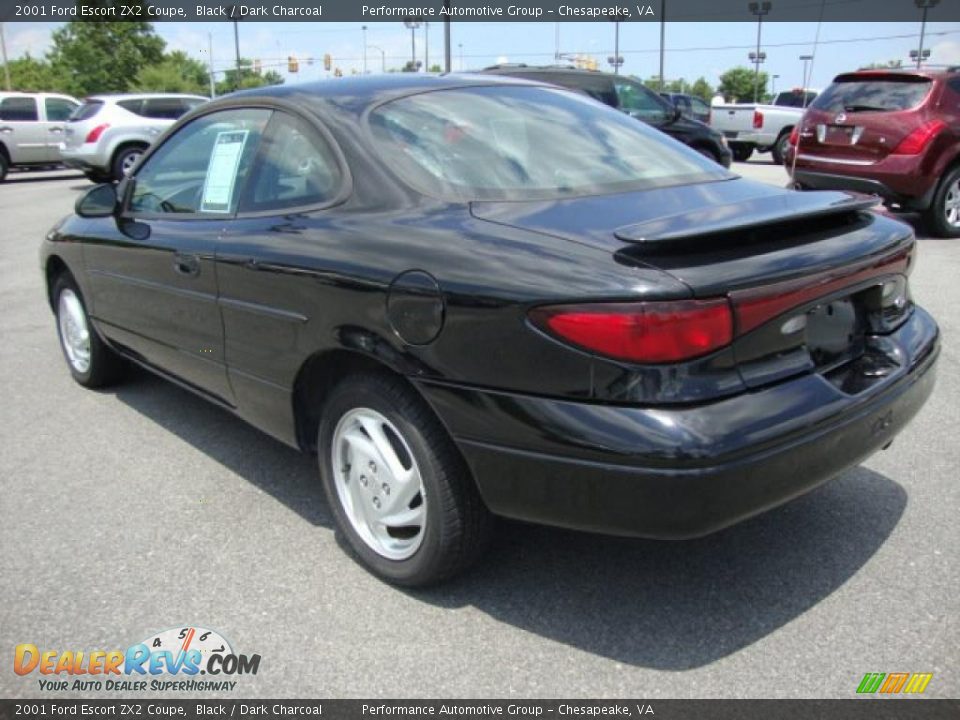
[{"x": 99, "y": 201}]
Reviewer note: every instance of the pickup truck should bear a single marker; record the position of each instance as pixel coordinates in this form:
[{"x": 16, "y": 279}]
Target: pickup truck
[{"x": 764, "y": 128}]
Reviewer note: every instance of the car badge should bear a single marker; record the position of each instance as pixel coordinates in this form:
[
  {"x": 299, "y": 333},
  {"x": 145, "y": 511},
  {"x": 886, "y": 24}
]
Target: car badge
[{"x": 840, "y": 118}]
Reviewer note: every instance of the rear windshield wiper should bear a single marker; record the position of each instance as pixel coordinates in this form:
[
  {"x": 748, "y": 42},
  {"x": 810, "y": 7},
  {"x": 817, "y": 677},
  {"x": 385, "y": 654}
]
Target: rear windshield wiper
[{"x": 864, "y": 108}]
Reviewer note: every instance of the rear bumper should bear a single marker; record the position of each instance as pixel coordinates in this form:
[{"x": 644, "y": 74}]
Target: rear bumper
[
  {"x": 84, "y": 157},
  {"x": 679, "y": 472},
  {"x": 897, "y": 179}
]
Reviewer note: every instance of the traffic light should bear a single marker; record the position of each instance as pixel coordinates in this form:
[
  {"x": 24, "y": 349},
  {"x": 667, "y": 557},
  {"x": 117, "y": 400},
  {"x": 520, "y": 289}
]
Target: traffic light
[
  {"x": 293, "y": 65},
  {"x": 327, "y": 62}
]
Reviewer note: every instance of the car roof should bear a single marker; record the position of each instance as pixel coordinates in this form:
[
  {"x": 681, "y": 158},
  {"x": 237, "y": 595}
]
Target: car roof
[
  {"x": 140, "y": 96},
  {"x": 923, "y": 73}
]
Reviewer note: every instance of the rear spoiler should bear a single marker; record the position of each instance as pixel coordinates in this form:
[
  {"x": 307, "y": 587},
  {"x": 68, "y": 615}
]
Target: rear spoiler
[{"x": 742, "y": 216}]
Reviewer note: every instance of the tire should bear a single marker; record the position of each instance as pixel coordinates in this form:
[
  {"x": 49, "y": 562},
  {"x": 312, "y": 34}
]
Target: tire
[
  {"x": 780, "y": 147},
  {"x": 4, "y": 166},
  {"x": 97, "y": 365},
  {"x": 124, "y": 160},
  {"x": 97, "y": 177},
  {"x": 741, "y": 152},
  {"x": 438, "y": 525},
  {"x": 943, "y": 216}
]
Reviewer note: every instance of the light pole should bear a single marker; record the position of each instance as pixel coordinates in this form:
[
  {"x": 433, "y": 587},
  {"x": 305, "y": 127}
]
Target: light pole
[
  {"x": 923, "y": 5},
  {"x": 383, "y": 57},
  {"x": 616, "y": 60},
  {"x": 759, "y": 9},
  {"x": 6, "y": 65},
  {"x": 412, "y": 26},
  {"x": 663, "y": 32},
  {"x": 364, "y": 28},
  {"x": 446, "y": 38},
  {"x": 460, "y": 47},
  {"x": 426, "y": 46},
  {"x": 806, "y": 80},
  {"x": 756, "y": 59},
  {"x": 773, "y": 87},
  {"x": 920, "y": 56}
]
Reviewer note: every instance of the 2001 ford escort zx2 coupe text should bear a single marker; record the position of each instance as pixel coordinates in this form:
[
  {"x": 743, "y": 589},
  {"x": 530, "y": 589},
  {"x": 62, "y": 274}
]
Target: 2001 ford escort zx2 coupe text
[{"x": 475, "y": 296}]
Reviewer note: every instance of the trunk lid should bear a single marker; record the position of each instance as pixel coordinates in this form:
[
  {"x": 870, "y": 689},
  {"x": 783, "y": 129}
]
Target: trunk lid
[
  {"x": 714, "y": 237},
  {"x": 804, "y": 273},
  {"x": 863, "y": 117}
]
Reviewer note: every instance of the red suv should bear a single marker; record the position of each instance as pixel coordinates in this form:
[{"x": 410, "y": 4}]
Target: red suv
[{"x": 895, "y": 134}]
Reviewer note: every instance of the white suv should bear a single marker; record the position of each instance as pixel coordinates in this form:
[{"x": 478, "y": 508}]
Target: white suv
[
  {"x": 107, "y": 135},
  {"x": 31, "y": 128}
]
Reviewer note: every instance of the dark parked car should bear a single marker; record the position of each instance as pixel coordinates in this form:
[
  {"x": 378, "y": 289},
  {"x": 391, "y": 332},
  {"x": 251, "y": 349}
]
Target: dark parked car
[
  {"x": 892, "y": 133},
  {"x": 690, "y": 105},
  {"x": 631, "y": 97},
  {"x": 466, "y": 311}
]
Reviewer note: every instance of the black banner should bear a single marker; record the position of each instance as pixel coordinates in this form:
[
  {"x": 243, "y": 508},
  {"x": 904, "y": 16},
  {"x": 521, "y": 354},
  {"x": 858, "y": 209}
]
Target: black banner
[
  {"x": 862, "y": 709},
  {"x": 370, "y": 11}
]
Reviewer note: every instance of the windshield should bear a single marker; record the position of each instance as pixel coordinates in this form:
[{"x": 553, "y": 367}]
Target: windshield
[
  {"x": 524, "y": 143},
  {"x": 873, "y": 95}
]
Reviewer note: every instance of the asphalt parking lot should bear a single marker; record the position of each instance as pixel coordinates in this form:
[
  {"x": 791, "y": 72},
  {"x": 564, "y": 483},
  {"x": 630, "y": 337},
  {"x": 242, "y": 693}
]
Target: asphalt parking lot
[{"x": 127, "y": 512}]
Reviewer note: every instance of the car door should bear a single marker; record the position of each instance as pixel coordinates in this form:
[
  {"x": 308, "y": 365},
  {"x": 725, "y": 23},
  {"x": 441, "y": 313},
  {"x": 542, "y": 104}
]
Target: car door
[
  {"x": 152, "y": 275},
  {"x": 274, "y": 261},
  {"x": 21, "y": 130},
  {"x": 56, "y": 111}
]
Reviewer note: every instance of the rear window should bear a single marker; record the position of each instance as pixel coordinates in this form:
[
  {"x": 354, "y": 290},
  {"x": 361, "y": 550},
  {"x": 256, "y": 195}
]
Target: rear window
[
  {"x": 87, "y": 110},
  {"x": 526, "y": 143},
  {"x": 795, "y": 99},
  {"x": 863, "y": 95}
]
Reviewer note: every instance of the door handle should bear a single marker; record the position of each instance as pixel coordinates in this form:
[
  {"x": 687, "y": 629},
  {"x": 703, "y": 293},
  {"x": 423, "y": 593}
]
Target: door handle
[
  {"x": 186, "y": 264},
  {"x": 6, "y": 129},
  {"x": 56, "y": 129}
]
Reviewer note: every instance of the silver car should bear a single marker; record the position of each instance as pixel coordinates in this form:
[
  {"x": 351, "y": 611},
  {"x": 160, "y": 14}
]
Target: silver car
[
  {"x": 31, "y": 128},
  {"x": 106, "y": 136}
]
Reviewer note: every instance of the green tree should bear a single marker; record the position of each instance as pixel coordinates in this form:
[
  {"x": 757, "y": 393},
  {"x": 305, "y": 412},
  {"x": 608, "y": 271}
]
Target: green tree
[
  {"x": 177, "y": 73},
  {"x": 737, "y": 84},
  {"x": 702, "y": 89},
  {"x": 29, "y": 74},
  {"x": 247, "y": 78},
  {"x": 100, "y": 57},
  {"x": 889, "y": 64}
]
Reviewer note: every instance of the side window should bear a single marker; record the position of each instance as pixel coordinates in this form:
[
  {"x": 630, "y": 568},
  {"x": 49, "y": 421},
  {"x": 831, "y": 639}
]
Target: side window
[
  {"x": 58, "y": 109},
  {"x": 296, "y": 167},
  {"x": 202, "y": 167},
  {"x": 599, "y": 88},
  {"x": 164, "y": 108},
  {"x": 19, "y": 109},
  {"x": 134, "y": 106},
  {"x": 640, "y": 102},
  {"x": 699, "y": 106},
  {"x": 955, "y": 87}
]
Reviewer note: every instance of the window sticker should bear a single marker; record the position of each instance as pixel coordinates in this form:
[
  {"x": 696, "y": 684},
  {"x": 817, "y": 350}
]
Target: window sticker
[{"x": 222, "y": 171}]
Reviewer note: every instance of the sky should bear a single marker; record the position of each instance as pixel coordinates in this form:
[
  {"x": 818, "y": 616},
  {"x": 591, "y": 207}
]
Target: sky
[{"x": 692, "y": 49}]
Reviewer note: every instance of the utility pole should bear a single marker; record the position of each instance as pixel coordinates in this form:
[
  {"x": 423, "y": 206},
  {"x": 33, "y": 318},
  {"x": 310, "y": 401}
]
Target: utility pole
[
  {"x": 924, "y": 5},
  {"x": 6, "y": 64},
  {"x": 364, "y": 28},
  {"x": 446, "y": 38},
  {"x": 460, "y": 45},
  {"x": 556, "y": 45},
  {"x": 426, "y": 46},
  {"x": 759, "y": 9},
  {"x": 412, "y": 26},
  {"x": 236, "y": 47},
  {"x": 213, "y": 83},
  {"x": 617, "y": 60},
  {"x": 806, "y": 80},
  {"x": 663, "y": 32}
]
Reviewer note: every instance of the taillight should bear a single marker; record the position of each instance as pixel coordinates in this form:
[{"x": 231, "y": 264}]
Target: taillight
[
  {"x": 917, "y": 141},
  {"x": 644, "y": 332},
  {"x": 757, "y": 119},
  {"x": 95, "y": 134},
  {"x": 755, "y": 306},
  {"x": 794, "y": 135}
]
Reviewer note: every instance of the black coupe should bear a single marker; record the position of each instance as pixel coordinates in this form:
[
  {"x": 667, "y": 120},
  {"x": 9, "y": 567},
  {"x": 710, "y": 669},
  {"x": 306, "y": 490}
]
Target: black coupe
[{"x": 474, "y": 296}]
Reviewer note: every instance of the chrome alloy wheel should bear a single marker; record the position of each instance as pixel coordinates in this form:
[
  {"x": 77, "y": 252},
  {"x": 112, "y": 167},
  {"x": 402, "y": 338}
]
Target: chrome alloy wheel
[
  {"x": 379, "y": 484},
  {"x": 951, "y": 204},
  {"x": 74, "y": 331},
  {"x": 129, "y": 161}
]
